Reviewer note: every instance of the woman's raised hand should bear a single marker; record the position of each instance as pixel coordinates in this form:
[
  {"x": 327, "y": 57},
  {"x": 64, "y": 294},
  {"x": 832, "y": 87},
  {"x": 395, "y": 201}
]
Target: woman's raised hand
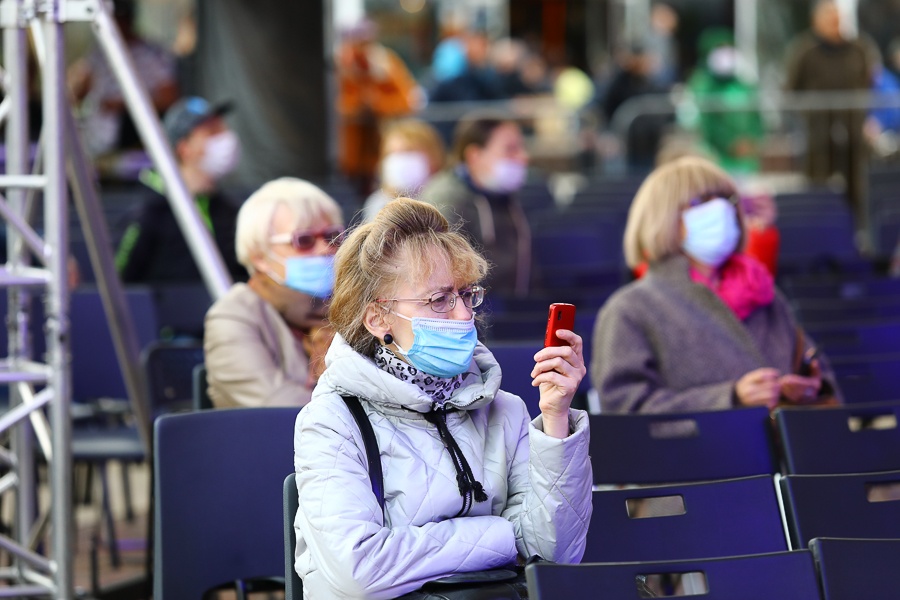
[{"x": 558, "y": 372}]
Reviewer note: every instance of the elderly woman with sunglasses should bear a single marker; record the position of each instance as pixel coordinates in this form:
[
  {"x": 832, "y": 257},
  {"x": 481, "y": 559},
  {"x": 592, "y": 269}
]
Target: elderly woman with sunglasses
[
  {"x": 265, "y": 340},
  {"x": 470, "y": 482},
  {"x": 705, "y": 329}
]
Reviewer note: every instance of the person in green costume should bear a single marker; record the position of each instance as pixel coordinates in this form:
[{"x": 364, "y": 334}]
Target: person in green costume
[{"x": 733, "y": 136}]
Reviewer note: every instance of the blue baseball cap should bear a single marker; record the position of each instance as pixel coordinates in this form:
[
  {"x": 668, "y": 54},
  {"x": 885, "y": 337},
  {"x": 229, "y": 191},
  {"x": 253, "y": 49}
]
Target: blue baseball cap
[{"x": 187, "y": 113}]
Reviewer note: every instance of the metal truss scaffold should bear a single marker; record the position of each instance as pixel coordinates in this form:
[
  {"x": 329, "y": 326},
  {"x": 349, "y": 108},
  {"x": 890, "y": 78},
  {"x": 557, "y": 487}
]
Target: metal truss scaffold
[{"x": 37, "y": 425}]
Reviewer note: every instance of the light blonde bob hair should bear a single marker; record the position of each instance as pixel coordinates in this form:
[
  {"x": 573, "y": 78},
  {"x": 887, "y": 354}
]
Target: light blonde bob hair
[
  {"x": 653, "y": 231},
  {"x": 307, "y": 203},
  {"x": 407, "y": 239},
  {"x": 419, "y": 135}
]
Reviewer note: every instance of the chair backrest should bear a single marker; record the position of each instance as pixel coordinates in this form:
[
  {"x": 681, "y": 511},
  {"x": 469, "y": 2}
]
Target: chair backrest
[
  {"x": 857, "y": 568},
  {"x": 840, "y": 287},
  {"x": 516, "y": 360},
  {"x": 182, "y": 308},
  {"x": 668, "y": 448},
  {"x": 841, "y": 439},
  {"x": 878, "y": 336},
  {"x": 202, "y": 401},
  {"x": 775, "y": 576},
  {"x": 169, "y": 368},
  {"x": 719, "y": 518},
  {"x": 868, "y": 378},
  {"x": 293, "y": 585},
  {"x": 217, "y": 484},
  {"x": 845, "y": 506},
  {"x": 95, "y": 367}
]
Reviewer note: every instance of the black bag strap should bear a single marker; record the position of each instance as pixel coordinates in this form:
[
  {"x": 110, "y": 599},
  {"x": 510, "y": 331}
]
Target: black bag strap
[{"x": 376, "y": 476}]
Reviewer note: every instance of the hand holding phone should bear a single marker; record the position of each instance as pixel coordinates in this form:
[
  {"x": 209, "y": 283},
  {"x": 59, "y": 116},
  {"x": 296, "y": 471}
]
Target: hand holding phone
[
  {"x": 558, "y": 370},
  {"x": 561, "y": 316}
]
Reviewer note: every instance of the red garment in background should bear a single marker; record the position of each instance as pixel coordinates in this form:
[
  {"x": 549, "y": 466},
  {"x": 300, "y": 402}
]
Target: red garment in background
[{"x": 763, "y": 245}]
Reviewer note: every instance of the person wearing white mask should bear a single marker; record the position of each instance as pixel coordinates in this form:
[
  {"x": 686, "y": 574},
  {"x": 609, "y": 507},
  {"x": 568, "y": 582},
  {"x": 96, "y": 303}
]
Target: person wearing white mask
[
  {"x": 734, "y": 136},
  {"x": 265, "y": 341},
  {"x": 411, "y": 153},
  {"x": 153, "y": 248},
  {"x": 705, "y": 328},
  {"x": 489, "y": 163}
]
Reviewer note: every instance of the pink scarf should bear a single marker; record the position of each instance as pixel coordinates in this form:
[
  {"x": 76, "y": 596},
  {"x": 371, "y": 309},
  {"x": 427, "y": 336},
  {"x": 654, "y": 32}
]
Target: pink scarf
[{"x": 744, "y": 285}]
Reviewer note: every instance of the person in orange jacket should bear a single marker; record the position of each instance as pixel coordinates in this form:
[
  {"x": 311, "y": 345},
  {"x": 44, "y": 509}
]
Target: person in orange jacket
[{"x": 373, "y": 84}]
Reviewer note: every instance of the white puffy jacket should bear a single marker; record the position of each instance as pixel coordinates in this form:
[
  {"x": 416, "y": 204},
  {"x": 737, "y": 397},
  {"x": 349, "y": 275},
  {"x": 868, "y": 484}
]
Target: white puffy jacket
[{"x": 538, "y": 487}]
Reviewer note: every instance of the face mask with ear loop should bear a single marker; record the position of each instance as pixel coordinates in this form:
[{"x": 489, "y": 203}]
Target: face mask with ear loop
[
  {"x": 506, "y": 176},
  {"x": 312, "y": 275},
  {"x": 712, "y": 232},
  {"x": 221, "y": 153},
  {"x": 441, "y": 347}
]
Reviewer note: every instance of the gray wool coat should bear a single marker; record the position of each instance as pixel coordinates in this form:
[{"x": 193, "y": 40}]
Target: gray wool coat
[{"x": 667, "y": 344}]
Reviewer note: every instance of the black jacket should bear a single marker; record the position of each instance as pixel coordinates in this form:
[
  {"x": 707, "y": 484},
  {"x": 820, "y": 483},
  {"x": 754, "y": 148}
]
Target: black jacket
[{"x": 153, "y": 248}]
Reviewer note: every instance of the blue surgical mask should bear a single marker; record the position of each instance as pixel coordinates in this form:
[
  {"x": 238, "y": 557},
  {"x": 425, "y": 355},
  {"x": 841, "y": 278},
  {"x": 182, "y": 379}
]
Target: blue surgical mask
[
  {"x": 313, "y": 275},
  {"x": 711, "y": 231},
  {"x": 441, "y": 347}
]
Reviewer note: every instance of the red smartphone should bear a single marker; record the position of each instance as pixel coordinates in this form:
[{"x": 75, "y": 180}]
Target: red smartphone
[{"x": 562, "y": 316}]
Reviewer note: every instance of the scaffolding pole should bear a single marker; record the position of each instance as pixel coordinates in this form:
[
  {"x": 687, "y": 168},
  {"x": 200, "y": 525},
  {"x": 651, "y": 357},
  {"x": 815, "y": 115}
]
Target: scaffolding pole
[{"x": 61, "y": 153}]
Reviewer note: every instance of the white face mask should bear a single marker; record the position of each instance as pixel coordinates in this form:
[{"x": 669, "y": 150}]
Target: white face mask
[
  {"x": 221, "y": 154},
  {"x": 405, "y": 171},
  {"x": 711, "y": 231},
  {"x": 723, "y": 61},
  {"x": 506, "y": 176}
]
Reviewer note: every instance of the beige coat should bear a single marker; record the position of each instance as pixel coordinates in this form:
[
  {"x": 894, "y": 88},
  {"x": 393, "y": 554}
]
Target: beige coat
[{"x": 252, "y": 358}]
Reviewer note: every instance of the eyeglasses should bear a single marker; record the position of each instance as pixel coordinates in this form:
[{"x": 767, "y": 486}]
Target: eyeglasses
[
  {"x": 444, "y": 302},
  {"x": 732, "y": 198},
  {"x": 304, "y": 241}
]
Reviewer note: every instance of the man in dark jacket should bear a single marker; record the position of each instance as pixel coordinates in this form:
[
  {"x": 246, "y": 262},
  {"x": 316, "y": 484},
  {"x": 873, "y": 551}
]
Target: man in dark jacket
[
  {"x": 824, "y": 60},
  {"x": 633, "y": 78},
  {"x": 153, "y": 248}
]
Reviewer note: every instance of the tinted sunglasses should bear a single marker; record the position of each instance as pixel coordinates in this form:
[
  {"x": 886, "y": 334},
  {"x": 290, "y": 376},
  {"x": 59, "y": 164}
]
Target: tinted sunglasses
[{"x": 304, "y": 241}]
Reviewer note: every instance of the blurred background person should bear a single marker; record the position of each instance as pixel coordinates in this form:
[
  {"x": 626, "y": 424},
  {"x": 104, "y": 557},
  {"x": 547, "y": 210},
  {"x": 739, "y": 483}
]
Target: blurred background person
[
  {"x": 705, "y": 329},
  {"x": 265, "y": 340},
  {"x": 449, "y": 59},
  {"x": 477, "y": 82},
  {"x": 489, "y": 163},
  {"x": 883, "y": 123},
  {"x": 107, "y": 127},
  {"x": 733, "y": 135},
  {"x": 662, "y": 43},
  {"x": 153, "y": 248},
  {"x": 506, "y": 57},
  {"x": 824, "y": 60},
  {"x": 411, "y": 153},
  {"x": 374, "y": 84},
  {"x": 633, "y": 78}
]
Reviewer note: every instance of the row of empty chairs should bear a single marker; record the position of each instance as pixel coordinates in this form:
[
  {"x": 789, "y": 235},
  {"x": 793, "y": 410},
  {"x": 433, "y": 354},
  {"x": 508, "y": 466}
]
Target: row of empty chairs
[
  {"x": 843, "y": 569},
  {"x": 200, "y": 483},
  {"x": 856, "y": 320}
]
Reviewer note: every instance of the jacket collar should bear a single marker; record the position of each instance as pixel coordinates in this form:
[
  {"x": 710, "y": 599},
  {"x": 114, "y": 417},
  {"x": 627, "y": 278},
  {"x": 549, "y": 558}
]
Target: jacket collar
[
  {"x": 674, "y": 272},
  {"x": 349, "y": 373}
]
